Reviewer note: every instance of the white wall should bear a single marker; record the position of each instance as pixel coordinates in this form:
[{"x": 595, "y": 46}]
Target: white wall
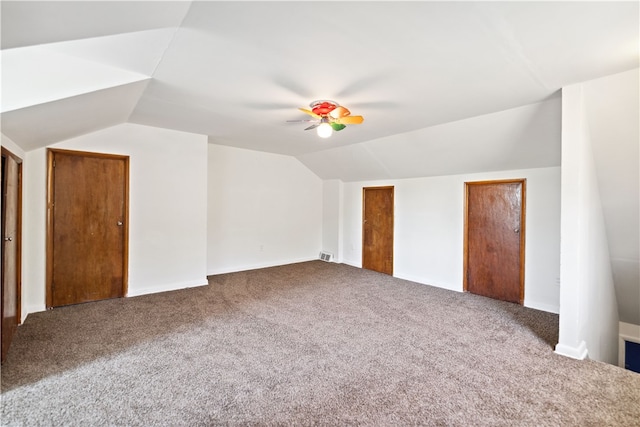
[
  {"x": 612, "y": 107},
  {"x": 264, "y": 210},
  {"x": 588, "y": 306},
  {"x": 429, "y": 224},
  {"x": 167, "y": 210},
  {"x": 332, "y": 218},
  {"x": 7, "y": 143}
]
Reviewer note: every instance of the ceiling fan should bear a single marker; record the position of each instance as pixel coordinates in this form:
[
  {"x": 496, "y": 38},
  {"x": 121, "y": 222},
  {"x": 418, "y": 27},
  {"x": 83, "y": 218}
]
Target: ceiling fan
[{"x": 329, "y": 116}]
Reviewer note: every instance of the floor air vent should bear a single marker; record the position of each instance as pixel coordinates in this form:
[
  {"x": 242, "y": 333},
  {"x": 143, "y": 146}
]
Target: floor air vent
[{"x": 325, "y": 256}]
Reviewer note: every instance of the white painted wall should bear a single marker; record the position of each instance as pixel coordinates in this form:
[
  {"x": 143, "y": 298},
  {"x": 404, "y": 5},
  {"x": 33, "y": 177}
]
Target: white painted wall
[
  {"x": 429, "y": 224},
  {"x": 167, "y": 211},
  {"x": 332, "y": 218},
  {"x": 612, "y": 107},
  {"x": 263, "y": 210},
  {"x": 7, "y": 143},
  {"x": 588, "y": 306},
  {"x": 34, "y": 217}
]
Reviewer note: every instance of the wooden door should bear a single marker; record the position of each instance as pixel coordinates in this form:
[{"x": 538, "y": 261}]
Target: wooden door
[
  {"x": 377, "y": 229},
  {"x": 87, "y": 227},
  {"x": 494, "y": 239},
  {"x": 11, "y": 246}
]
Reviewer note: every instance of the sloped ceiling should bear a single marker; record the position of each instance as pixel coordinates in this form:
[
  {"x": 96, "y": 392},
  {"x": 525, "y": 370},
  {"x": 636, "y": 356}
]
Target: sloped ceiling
[
  {"x": 445, "y": 87},
  {"x": 237, "y": 71},
  {"x": 518, "y": 138}
]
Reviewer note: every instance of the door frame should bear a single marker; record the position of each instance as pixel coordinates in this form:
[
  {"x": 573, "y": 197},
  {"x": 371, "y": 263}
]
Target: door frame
[
  {"x": 393, "y": 224},
  {"x": 523, "y": 189},
  {"x": 50, "y": 197},
  {"x": 18, "y": 237}
]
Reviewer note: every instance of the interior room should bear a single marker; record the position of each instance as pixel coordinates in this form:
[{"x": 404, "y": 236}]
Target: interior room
[{"x": 216, "y": 108}]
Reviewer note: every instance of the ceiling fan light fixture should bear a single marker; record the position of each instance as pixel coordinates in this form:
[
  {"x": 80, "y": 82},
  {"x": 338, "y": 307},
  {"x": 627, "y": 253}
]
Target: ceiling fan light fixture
[
  {"x": 324, "y": 130},
  {"x": 329, "y": 117}
]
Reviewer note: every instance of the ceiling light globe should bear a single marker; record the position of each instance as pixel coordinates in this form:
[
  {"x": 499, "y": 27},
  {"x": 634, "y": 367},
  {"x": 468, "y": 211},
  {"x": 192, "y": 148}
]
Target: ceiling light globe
[{"x": 324, "y": 130}]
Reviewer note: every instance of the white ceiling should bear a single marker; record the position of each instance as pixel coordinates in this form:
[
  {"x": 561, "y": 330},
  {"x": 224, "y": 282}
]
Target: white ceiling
[
  {"x": 445, "y": 87},
  {"x": 237, "y": 71}
]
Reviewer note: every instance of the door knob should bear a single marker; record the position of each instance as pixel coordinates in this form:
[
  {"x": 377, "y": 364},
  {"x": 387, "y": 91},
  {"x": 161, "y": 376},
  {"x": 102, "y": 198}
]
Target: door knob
[
  {"x": 119, "y": 223},
  {"x": 516, "y": 230},
  {"x": 8, "y": 239}
]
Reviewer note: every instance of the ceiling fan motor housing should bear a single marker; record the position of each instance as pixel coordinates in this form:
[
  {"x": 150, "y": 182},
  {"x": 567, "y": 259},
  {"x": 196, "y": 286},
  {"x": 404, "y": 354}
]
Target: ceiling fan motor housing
[{"x": 322, "y": 108}]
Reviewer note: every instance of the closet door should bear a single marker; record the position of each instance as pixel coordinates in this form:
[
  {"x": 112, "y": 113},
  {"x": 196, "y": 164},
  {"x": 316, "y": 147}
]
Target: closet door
[
  {"x": 11, "y": 246},
  {"x": 494, "y": 239},
  {"x": 377, "y": 229},
  {"x": 88, "y": 195}
]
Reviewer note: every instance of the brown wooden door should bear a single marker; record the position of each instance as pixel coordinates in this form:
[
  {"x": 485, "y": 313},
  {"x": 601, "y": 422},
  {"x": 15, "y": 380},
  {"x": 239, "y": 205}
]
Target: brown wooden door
[
  {"x": 88, "y": 195},
  {"x": 495, "y": 239},
  {"x": 11, "y": 242},
  {"x": 377, "y": 229}
]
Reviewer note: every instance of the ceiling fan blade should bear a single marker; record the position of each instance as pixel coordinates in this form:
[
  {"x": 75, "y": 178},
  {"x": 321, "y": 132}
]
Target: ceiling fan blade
[
  {"x": 309, "y": 112},
  {"x": 298, "y": 121},
  {"x": 313, "y": 126},
  {"x": 339, "y": 112},
  {"x": 350, "y": 120}
]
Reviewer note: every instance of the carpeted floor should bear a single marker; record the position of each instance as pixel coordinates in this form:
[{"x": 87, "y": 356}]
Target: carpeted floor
[{"x": 306, "y": 344}]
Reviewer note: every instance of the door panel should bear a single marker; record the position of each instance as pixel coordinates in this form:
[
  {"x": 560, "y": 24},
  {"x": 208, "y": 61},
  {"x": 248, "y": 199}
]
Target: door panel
[
  {"x": 11, "y": 239},
  {"x": 495, "y": 240},
  {"x": 377, "y": 229},
  {"x": 88, "y": 239}
]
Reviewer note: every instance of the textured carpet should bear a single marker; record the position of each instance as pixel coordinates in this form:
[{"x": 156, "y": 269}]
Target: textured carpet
[{"x": 306, "y": 344}]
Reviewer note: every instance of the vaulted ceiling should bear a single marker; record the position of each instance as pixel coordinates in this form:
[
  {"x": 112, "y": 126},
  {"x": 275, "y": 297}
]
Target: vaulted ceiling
[
  {"x": 444, "y": 87},
  {"x": 237, "y": 71}
]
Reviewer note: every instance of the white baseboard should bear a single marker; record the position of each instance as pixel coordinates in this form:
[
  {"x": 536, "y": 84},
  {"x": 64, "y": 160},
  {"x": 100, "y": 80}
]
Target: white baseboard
[
  {"x": 422, "y": 281},
  {"x": 352, "y": 263},
  {"x": 549, "y": 308},
  {"x": 28, "y": 309},
  {"x": 167, "y": 287},
  {"x": 579, "y": 352},
  {"x": 247, "y": 267}
]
